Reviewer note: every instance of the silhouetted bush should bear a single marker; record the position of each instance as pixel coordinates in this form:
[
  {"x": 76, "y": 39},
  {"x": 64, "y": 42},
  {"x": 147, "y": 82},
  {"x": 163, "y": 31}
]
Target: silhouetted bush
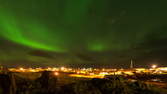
[{"x": 47, "y": 84}]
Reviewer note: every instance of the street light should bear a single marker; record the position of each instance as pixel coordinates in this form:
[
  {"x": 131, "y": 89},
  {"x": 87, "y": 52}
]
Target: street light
[
  {"x": 154, "y": 66},
  {"x": 56, "y": 73},
  {"x": 62, "y": 68}
]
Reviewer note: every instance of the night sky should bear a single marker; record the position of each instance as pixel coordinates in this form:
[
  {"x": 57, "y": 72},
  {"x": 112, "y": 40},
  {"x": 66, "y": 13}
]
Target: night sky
[{"x": 50, "y": 32}]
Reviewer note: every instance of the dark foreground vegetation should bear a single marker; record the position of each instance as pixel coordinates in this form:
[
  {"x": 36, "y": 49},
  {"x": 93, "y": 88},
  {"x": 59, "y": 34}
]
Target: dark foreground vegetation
[{"x": 47, "y": 84}]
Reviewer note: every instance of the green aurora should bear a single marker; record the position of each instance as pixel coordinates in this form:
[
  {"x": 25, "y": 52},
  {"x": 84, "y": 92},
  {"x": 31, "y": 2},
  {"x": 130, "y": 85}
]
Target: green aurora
[{"x": 83, "y": 26}]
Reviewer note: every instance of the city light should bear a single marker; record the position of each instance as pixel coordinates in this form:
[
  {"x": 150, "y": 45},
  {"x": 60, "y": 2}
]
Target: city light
[
  {"x": 62, "y": 68},
  {"x": 21, "y": 69},
  {"x": 56, "y": 73},
  {"x": 154, "y": 66},
  {"x": 93, "y": 73}
]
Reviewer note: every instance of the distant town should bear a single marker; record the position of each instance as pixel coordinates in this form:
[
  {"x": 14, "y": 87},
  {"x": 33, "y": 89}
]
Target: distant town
[{"x": 92, "y": 72}]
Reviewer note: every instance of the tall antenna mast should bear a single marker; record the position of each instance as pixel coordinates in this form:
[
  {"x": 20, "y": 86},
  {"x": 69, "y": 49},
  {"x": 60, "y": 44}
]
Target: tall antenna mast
[{"x": 131, "y": 64}]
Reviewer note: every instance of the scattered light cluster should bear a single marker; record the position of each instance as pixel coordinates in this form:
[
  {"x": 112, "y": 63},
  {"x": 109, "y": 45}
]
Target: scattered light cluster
[{"x": 93, "y": 72}]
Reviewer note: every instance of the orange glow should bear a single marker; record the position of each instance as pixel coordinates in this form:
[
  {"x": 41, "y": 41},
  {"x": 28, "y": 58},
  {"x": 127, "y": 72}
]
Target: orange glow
[
  {"x": 21, "y": 69},
  {"x": 86, "y": 76},
  {"x": 56, "y": 73}
]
